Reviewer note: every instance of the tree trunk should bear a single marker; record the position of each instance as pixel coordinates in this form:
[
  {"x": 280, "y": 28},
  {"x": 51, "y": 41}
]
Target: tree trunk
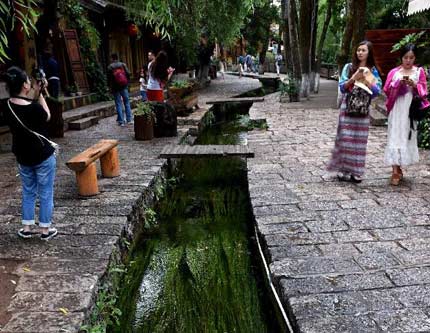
[
  {"x": 305, "y": 38},
  {"x": 347, "y": 36},
  {"x": 285, "y": 35},
  {"x": 294, "y": 42},
  {"x": 314, "y": 29},
  {"x": 359, "y": 21},
  {"x": 327, "y": 20}
]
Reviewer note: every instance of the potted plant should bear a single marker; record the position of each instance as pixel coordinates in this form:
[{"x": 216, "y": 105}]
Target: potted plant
[
  {"x": 179, "y": 88},
  {"x": 144, "y": 121},
  {"x": 290, "y": 88}
]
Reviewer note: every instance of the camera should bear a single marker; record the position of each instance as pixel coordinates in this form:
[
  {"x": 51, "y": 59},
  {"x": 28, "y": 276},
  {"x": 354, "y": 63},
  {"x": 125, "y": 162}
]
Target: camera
[{"x": 40, "y": 76}]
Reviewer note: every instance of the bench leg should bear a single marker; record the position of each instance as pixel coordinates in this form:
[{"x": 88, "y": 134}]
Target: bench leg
[
  {"x": 109, "y": 163},
  {"x": 87, "y": 181}
]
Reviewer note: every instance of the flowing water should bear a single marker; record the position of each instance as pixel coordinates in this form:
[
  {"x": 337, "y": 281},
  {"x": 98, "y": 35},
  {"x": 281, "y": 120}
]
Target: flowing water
[{"x": 194, "y": 271}]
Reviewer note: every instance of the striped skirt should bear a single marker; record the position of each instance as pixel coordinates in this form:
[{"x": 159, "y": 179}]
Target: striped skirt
[{"x": 349, "y": 153}]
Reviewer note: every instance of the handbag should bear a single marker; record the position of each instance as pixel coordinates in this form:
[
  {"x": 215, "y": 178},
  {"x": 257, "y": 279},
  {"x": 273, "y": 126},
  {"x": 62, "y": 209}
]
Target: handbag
[
  {"x": 39, "y": 136},
  {"x": 416, "y": 112},
  {"x": 357, "y": 102}
]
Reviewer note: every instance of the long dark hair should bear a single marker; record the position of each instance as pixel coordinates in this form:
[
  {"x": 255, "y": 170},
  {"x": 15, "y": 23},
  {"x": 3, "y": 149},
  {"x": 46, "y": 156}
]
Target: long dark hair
[
  {"x": 370, "y": 62},
  {"x": 159, "y": 66},
  {"x": 409, "y": 47},
  {"x": 15, "y": 77}
]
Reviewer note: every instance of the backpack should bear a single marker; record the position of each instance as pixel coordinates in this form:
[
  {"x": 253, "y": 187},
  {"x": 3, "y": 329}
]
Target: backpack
[
  {"x": 120, "y": 76},
  {"x": 358, "y": 101}
]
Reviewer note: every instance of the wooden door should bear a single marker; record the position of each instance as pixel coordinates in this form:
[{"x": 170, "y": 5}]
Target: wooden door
[{"x": 73, "y": 51}]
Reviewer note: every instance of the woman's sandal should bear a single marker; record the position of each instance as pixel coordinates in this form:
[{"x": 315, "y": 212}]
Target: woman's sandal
[{"x": 395, "y": 179}]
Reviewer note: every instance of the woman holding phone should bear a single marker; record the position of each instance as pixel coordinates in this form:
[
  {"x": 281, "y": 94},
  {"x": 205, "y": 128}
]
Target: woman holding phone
[
  {"x": 402, "y": 83},
  {"x": 349, "y": 153}
]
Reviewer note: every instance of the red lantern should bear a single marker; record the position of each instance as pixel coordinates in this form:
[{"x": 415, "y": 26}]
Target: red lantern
[{"x": 132, "y": 30}]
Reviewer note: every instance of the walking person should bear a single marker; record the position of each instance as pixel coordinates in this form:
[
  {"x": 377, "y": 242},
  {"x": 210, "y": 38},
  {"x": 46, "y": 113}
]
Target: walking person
[
  {"x": 52, "y": 71},
  {"x": 278, "y": 61},
  {"x": 34, "y": 152},
  {"x": 349, "y": 153},
  {"x": 118, "y": 78},
  {"x": 402, "y": 83},
  {"x": 159, "y": 74},
  {"x": 241, "y": 63},
  {"x": 222, "y": 67}
]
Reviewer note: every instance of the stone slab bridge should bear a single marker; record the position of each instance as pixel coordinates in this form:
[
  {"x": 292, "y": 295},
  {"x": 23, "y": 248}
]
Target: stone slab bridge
[{"x": 344, "y": 257}]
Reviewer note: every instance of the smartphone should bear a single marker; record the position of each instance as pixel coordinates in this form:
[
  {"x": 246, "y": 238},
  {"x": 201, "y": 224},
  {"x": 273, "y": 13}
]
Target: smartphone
[{"x": 405, "y": 77}]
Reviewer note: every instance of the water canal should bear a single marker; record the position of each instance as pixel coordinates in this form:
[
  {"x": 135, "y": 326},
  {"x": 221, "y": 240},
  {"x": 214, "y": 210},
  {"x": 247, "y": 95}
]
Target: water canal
[{"x": 197, "y": 269}]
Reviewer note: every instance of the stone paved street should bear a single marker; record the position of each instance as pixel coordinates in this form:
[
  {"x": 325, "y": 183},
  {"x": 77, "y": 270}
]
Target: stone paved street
[{"x": 345, "y": 257}]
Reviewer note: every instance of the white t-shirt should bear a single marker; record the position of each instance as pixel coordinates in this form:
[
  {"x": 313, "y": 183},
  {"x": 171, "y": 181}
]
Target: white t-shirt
[{"x": 153, "y": 83}]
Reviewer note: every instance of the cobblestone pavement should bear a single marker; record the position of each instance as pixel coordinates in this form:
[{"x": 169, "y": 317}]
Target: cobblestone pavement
[
  {"x": 345, "y": 257},
  {"x": 38, "y": 278}
]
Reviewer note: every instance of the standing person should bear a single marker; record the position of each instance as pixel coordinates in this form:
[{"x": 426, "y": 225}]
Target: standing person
[
  {"x": 349, "y": 153},
  {"x": 143, "y": 84},
  {"x": 222, "y": 67},
  {"x": 241, "y": 62},
  {"x": 159, "y": 75},
  {"x": 34, "y": 152},
  {"x": 151, "y": 58},
  {"x": 204, "y": 56},
  {"x": 118, "y": 78},
  {"x": 402, "y": 83},
  {"x": 52, "y": 71},
  {"x": 278, "y": 61}
]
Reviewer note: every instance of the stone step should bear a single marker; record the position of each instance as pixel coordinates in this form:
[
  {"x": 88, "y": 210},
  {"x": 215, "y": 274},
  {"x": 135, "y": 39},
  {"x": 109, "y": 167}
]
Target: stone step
[
  {"x": 99, "y": 110},
  {"x": 83, "y": 123}
]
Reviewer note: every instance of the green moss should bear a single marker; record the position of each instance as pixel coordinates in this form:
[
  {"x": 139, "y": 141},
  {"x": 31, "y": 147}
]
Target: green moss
[{"x": 193, "y": 273}]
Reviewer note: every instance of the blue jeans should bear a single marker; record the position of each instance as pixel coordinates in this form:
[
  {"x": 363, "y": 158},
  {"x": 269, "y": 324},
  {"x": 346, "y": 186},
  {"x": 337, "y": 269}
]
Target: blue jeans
[
  {"x": 143, "y": 95},
  {"x": 38, "y": 181},
  {"x": 120, "y": 97}
]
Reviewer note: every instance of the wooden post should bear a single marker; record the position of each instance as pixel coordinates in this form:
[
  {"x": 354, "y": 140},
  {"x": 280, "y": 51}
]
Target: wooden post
[
  {"x": 87, "y": 181},
  {"x": 109, "y": 163}
]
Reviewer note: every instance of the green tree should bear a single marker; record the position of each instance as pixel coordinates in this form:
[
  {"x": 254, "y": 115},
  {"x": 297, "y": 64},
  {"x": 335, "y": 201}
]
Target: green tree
[
  {"x": 13, "y": 12},
  {"x": 257, "y": 28},
  {"x": 184, "y": 20}
]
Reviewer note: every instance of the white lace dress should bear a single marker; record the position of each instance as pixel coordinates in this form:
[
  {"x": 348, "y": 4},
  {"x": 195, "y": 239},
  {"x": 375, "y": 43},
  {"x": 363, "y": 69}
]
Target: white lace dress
[{"x": 400, "y": 149}]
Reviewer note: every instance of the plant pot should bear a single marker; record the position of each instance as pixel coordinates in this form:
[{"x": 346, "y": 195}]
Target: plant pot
[
  {"x": 294, "y": 97},
  {"x": 143, "y": 128},
  {"x": 284, "y": 98},
  {"x": 179, "y": 92}
]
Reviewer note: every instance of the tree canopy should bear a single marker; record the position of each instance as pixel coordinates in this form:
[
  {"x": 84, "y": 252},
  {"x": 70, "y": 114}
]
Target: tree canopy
[{"x": 184, "y": 20}]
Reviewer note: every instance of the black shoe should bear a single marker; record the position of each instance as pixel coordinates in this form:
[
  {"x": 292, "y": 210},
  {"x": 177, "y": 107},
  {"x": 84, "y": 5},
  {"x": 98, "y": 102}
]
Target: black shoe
[
  {"x": 355, "y": 180},
  {"x": 25, "y": 234},
  {"x": 343, "y": 178},
  {"x": 52, "y": 232}
]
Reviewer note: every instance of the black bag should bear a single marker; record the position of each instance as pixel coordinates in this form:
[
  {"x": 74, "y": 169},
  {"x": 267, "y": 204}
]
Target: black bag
[
  {"x": 358, "y": 101},
  {"x": 416, "y": 113}
]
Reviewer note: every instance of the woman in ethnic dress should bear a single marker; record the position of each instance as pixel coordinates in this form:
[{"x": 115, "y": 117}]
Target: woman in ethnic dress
[
  {"x": 349, "y": 153},
  {"x": 402, "y": 83}
]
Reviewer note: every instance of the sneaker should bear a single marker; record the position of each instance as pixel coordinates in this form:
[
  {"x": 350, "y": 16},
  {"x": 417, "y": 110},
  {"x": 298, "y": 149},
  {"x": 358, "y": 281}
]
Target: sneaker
[
  {"x": 24, "y": 234},
  {"x": 52, "y": 232},
  {"x": 131, "y": 122},
  {"x": 122, "y": 124}
]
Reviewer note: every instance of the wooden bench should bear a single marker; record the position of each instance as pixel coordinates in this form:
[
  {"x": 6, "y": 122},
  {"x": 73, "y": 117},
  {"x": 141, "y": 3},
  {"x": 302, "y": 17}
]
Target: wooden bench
[{"x": 85, "y": 167}]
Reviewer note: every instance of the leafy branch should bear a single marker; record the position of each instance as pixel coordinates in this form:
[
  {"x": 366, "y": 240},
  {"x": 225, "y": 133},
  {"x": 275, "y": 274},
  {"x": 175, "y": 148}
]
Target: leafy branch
[{"x": 13, "y": 12}]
